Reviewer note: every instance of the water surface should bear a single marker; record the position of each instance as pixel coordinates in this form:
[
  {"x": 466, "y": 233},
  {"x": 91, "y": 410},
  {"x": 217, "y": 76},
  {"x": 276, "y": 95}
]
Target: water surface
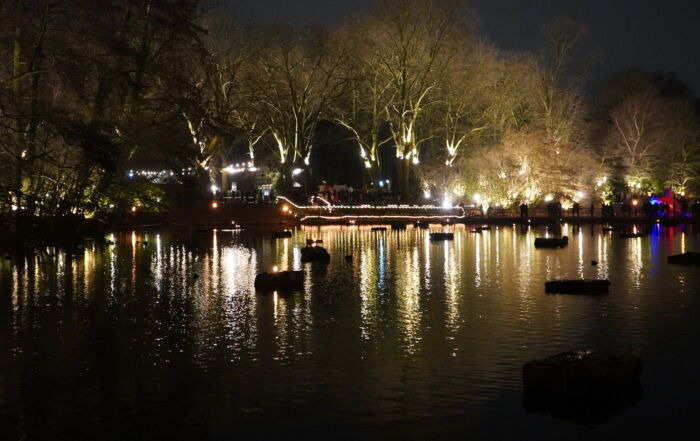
[{"x": 162, "y": 336}]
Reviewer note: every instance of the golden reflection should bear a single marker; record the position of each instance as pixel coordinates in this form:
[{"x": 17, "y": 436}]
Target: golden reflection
[
  {"x": 368, "y": 291},
  {"x": 408, "y": 292},
  {"x": 682, "y": 242},
  {"x": 284, "y": 254},
  {"x": 635, "y": 260},
  {"x": 580, "y": 253},
  {"x": 452, "y": 267},
  {"x": 477, "y": 262}
]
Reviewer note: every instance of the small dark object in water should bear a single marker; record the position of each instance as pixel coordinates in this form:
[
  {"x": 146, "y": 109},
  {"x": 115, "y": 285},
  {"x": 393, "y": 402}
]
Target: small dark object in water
[
  {"x": 195, "y": 276},
  {"x": 6, "y": 257},
  {"x": 318, "y": 241},
  {"x": 581, "y": 372},
  {"x": 441, "y": 236},
  {"x": 579, "y": 286},
  {"x": 483, "y": 228},
  {"x": 551, "y": 242},
  {"x": 109, "y": 242},
  {"x": 398, "y": 226},
  {"x": 145, "y": 242},
  {"x": 608, "y": 228},
  {"x": 309, "y": 242},
  {"x": 475, "y": 231},
  {"x": 315, "y": 254},
  {"x": 281, "y": 234},
  {"x": 378, "y": 228},
  {"x": 280, "y": 281},
  {"x": 631, "y": 235},
  {"x": 594, "y": 262},
  {"x": 424, "y": 225},
  {"x": 688, "y": 258},
  {"x": 348, "y": 258}
]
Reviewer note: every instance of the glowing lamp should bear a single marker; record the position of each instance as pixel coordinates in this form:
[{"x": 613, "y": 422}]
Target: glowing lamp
[
  {"x": 133, "y": 209},
  {"x": 275, "y": 269},
  {"x": 285, "y": 208},
  {"x": 214, "y": 204},
  {"x": 446, "y": 202}
]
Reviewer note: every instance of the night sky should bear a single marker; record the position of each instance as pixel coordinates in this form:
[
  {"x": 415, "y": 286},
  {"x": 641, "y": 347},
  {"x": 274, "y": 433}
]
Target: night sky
[{"x": 646, "y": 34}]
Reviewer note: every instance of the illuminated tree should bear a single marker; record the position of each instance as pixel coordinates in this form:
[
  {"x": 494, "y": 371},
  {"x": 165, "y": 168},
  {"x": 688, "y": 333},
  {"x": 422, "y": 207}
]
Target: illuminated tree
[
  {"x": 296, "y": 78},
  {"x": 409, "y": 44},
  {"x": 361, "y": 110}
]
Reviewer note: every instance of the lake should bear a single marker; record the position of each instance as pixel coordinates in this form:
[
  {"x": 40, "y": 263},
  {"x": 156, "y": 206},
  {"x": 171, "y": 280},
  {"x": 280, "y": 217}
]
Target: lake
[{"x": 162, "y": 336}]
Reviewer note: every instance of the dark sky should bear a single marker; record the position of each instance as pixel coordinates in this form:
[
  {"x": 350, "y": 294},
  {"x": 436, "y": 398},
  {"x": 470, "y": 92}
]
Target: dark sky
[{"x": 647, "y": 34}]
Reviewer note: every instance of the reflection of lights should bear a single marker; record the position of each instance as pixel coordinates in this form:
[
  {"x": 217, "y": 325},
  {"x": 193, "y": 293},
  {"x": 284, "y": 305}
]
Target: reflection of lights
[
  {"x": 426, "y": 194},
  {"x": 296, "y": 171},
  {"x": 548, "y": 198},
  {"x": 477, "y": 198},
  {"x": 214, "y": 188}
]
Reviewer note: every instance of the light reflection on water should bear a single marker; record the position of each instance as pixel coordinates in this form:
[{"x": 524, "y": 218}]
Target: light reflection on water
[{"x": 407, "y": 337}]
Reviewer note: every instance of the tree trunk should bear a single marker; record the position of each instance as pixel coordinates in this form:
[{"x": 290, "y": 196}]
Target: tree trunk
[{"x": 403, "y": 171}]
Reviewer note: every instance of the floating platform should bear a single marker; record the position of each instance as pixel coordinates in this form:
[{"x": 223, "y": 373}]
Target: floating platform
[
  {"x": 551, "y": 242},
  {"x": 689, "y": 258},
  {"x": 280, "y": 281},
  {"x": 441, "y": 236},
  {"x": 315, "y": 254},
  {"x": 582, "y": 372}
]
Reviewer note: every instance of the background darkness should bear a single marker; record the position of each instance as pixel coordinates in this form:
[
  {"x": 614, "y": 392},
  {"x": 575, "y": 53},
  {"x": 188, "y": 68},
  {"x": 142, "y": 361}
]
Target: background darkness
[{"x": 646, "y": 34}]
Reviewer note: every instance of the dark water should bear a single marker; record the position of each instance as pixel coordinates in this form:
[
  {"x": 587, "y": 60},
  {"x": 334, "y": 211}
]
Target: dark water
[{"x": 410, "y": 340}]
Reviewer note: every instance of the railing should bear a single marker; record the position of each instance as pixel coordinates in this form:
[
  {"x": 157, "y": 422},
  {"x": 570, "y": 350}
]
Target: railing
[{"x": 327, "y": 211}]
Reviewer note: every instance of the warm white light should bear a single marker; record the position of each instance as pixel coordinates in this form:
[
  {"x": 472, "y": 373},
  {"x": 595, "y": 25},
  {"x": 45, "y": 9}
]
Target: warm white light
[
  {"x": 477, "y": 198},
  {"x": 296, "y": 171},
  {"x": 548, "y": 198},
  {"x": 446, "y": 202},
  {"x": 214, "y": 188}
]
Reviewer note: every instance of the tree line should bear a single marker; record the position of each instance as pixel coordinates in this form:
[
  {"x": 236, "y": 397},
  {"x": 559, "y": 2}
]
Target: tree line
[{"x": 89, "y": 88}]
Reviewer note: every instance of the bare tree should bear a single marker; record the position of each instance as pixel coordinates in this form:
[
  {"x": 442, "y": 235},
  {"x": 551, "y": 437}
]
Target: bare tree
[
  {"x": 409, "y": 44},
  {"x": 296, "y": 79}
]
